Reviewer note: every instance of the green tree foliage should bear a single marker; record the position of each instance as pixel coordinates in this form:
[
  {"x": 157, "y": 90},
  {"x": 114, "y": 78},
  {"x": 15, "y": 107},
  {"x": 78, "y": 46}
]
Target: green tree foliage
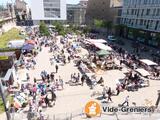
[
  {"x": 43, "y": 29},
  {"x": 135, "y": 32},
  {"x": 120, "y": 29},
  {"x": 108, "y": 25},
  {"x": 86, "y": 29},
  {"x": 58, "y": 26},
  {"x": 98, "y": 23},
  {"x": 158, "y": 38}
]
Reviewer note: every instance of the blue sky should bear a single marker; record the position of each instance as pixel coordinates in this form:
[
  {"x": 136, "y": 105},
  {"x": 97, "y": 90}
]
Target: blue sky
[{"x": 28, "y": 1}]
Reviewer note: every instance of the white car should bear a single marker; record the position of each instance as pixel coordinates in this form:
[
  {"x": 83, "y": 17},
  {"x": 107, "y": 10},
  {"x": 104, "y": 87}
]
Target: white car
[
  {"x": 111, "y": 38},
  {"x": 15, "y": 43}
]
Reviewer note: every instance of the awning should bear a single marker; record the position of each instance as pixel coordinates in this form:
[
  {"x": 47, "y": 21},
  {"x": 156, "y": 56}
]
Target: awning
[
  {"x": 148, "y": 62},
  {"x": 96, "y": 40},
  {"x": 28, "y": 47},
  {"x": 103, "y": 46},
  {"x": 158, "y": 68},
  {"x": 30, "y": 42},
  {"x": 143, "y": 72},
  {"x": 103, "y": 53}
]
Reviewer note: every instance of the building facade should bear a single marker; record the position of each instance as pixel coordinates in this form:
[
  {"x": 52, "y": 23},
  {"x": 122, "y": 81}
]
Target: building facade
[
  {"x": 48, "y": 9},
  {"x": 20, "y": 5},
  {"x": 106, "y": 10},
  {"x": 7, "y": 15},
  {"x": 143, "y": 15},
  {"x": 83, "y": 2},
  {"x": 76, "y": 14}
]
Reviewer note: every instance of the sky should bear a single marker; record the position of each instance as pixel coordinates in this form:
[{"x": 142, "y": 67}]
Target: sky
[{"x": 2, "y": 2}]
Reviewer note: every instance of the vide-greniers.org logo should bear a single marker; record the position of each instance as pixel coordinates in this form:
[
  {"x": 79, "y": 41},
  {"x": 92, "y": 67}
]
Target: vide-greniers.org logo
[
  {"x": 93, "y": 108},
  {"x": 139, "y": 109}
]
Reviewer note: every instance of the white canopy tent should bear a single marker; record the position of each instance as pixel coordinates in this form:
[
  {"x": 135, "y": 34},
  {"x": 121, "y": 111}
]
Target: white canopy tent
[
  {"x": 148, "y": 62},
  {"x": 103, "y": 46},
  {"x": 96, "y": 40},
  {"x": 143, "y": 72}
]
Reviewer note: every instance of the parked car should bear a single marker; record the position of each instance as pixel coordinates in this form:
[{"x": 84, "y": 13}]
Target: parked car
[
  {"x": 111, "y": 38},
  {"x": 15, "y": 43}
]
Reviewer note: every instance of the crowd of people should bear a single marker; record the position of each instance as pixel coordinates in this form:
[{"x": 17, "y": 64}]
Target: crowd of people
[{"x": 42, "y": 93}]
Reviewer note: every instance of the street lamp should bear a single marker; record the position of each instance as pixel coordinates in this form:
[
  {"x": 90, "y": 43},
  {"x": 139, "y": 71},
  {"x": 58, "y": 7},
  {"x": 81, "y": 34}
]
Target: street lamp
[{"x": 4, "y": 101}]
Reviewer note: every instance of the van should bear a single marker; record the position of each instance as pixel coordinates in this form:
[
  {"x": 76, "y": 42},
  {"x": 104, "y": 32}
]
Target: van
[
  {"x": 15, "y": 43},
  {"x": 111, "y": 38}
]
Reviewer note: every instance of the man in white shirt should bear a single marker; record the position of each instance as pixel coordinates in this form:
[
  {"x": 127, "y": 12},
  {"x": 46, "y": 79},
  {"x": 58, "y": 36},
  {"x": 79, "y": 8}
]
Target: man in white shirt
[{"x": 126, "y": 101}]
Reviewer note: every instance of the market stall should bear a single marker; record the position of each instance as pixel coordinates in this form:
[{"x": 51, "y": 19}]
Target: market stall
[
  {"x": 30, "y": 42},
  {"x": 148, "y": 64},
  {"x": 103, "y": 53},
  {"x": 96, "y": 41},
  {"x": 103, "y": 46},
  {"x": 143, "y": 72},
  {"x": 27, "y": 48}
]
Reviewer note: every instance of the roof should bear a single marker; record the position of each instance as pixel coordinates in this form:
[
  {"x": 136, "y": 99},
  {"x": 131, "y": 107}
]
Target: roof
[
  {"x": 148, "y": 62},
  {"x": 143, "y": 72},
  {"x": 75, "y": 6},
  {"x": 96, "y": 40},
  {"x": 103, "y": 46}
]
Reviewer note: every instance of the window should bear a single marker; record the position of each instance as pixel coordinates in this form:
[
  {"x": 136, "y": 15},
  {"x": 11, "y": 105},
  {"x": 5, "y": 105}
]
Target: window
[
  {"x": 158, "y": 12},
  {"x": 51, "y": 8},
  {"x": 148, "y": 12}
]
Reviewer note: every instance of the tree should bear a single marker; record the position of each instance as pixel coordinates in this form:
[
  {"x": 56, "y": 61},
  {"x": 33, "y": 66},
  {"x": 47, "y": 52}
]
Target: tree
[
  {"x": 135, "y": 33},
  {"x": 108, "y": 25},
  {"x": 43, "y": 29},
  {"x": 58, "y": 26},
  {"x": 98, "y": 23},
  {"x": 158, "y": 39},
  {"x": 86, "y": 30}
]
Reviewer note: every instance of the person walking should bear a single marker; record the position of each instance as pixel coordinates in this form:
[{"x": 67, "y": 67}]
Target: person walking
[
  {"x": 46, "y": 101},
  {"x": 104, "y": 93},
  {"x": 56, "y": 68},
  {"x": 71, "y": 77},
  {"x": 109, "y": 95},
  {"x": 118, "y": 90},
  {"x": 82, "y": 80},
  {"x": 78, "y": 77},
  {"x": 12, "y": 111},
  {"x": 61, "y": 82},
  {"x": 52, "y": 76},
  {"x": 69, "y": 59},
  {"x": 28, "y": 77},
  {"x": 126, "y": 101},
  {"x": 52, "y": 61}
]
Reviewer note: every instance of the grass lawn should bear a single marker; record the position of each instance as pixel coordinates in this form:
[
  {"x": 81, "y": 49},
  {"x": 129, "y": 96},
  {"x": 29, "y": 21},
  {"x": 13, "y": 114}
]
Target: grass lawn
[
  {"x": 12, "y": 34},
  {"x": 9, "y": 98}
]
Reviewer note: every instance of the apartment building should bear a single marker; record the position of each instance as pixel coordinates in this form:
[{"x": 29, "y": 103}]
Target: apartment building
[
  {"x": 48, "y": 10},
  {"x": 143, "y": 15},
  {"x": 106, "y": 10}
]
